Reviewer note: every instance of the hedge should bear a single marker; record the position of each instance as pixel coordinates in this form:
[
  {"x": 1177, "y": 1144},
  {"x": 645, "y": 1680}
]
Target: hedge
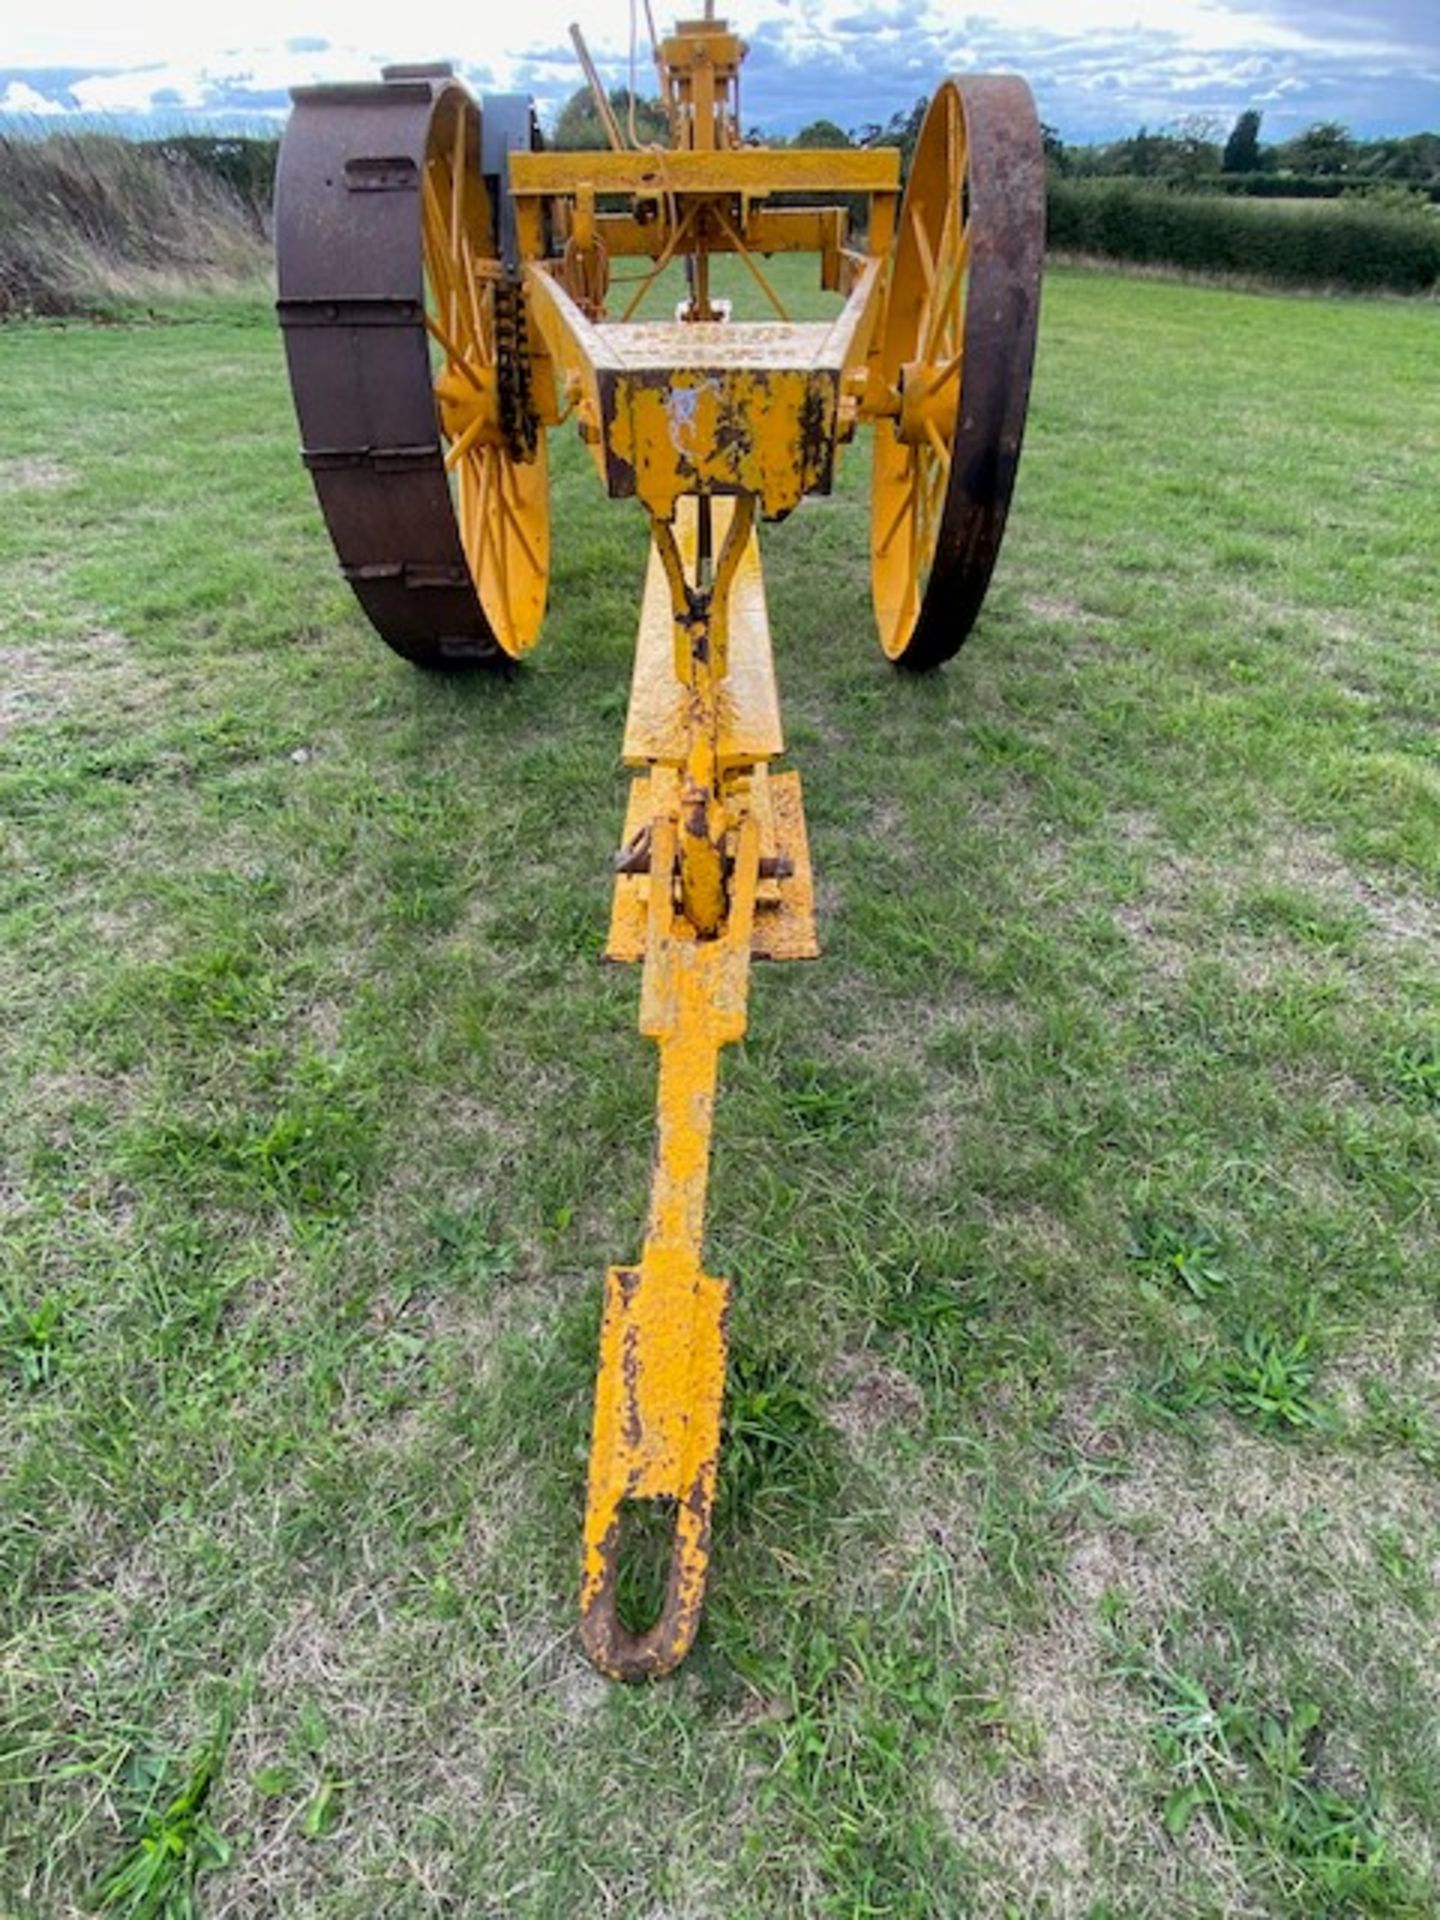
[
  {"x": 1305, "y": 186},
  {"x": 1344, "y": 243}
]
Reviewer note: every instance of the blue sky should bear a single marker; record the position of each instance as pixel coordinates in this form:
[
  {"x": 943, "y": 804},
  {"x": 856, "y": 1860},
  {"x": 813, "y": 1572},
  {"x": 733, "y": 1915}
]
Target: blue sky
[{"x": 1098, "y": 67}]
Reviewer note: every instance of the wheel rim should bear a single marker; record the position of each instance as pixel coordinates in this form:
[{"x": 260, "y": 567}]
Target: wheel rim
[
  {"x": 927, "y": 308},
  {"x": 501, "y": 502},
  {"x": 957, "y": 349}
]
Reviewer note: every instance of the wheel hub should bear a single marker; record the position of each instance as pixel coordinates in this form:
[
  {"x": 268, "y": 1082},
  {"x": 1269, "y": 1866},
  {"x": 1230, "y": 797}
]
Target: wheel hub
[{"x": 929, "y": 402}]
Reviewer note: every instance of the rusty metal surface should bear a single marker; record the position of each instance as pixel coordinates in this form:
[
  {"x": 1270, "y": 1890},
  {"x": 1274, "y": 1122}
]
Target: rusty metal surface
[
  {"x": 1006, "y": 184},
  {"x": 351, "y": 302},
  {"x": 759, "y": 346},
  {"x": 677, "y": 408}
]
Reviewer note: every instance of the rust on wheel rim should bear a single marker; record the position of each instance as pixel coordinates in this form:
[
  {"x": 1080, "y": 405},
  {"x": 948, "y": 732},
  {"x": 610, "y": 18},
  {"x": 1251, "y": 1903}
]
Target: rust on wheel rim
[
  {"x": 450, "y": 570},
  {"x": 957, "y": 353}
]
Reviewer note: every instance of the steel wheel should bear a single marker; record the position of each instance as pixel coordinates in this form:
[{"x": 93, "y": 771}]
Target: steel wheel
[
  {"x": 956, "y": 354},
  {"x": 408, "y": 363}
]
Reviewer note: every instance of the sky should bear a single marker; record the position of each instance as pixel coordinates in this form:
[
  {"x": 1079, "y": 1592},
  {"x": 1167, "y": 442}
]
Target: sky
[{"x": 1099, "y": 68}]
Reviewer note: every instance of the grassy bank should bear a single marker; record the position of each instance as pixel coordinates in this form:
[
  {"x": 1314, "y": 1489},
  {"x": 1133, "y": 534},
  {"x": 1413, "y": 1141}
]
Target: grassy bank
[
  {"x": 89, "y": 221},
  {"x": 1078, "y": 1522}
]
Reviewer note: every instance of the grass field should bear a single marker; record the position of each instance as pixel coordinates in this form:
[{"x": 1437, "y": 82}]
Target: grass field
[{"x": 1079, "y": 1524}]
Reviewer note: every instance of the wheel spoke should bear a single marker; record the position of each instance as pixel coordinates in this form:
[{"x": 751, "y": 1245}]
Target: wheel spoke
[
  {"x": 454, "y": 354},
  {"x": 475, "y": 552},
  {"x": 433, "y": 234},
  {"x": 907, "y": 505},
  {"x": 491, "y": 525},
  {"x": 457, "y": 208},
  {"x": 442, "y": 266},
  {"x": 465, "y": 514},
  {"x": 922, "y": 242},
  {"x": 924, "y": 503},
  {"x": 937, "y": 477},
  {"x": 478, "y": 328},
  {"x": 949, "y": 306},
  {"x": 514, "y": 518},
  {"x": 462, "y": 445},
  {"x": 457, "y": 187},
  {"x": 946, "y": 374}
]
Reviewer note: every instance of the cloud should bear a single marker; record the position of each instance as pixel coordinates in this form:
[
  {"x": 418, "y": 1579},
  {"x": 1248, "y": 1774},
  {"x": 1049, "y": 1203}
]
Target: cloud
[
  {"x": 22, "y": 98},
  {"x": 1095, "y": 71},
  {"x": 1390, "y": 26}
]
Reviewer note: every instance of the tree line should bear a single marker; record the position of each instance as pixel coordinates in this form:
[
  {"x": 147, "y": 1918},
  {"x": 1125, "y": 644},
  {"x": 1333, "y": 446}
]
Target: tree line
[
  {"x": 1198, "y": 150},
  {"x": 1324, "y": 160}
]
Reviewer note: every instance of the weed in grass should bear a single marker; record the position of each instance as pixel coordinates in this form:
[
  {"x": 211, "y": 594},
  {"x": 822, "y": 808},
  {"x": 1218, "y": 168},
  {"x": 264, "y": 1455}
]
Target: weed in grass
[
  {"x": 935, "y": 1322},
  {"x": 825, "y": 1104},
  {"x": 1415, "y": 1073},
  {"x": 644, "y": 1555},
  {"x": 1180, "y": 1386},
  {"x": 306, "y": 1150},
  {"x": 775, "y": 1443},
  {"x": 467, "y": 1250},
  {"x": 1269, "y": 1381},
  {"x": 1172, "y": 1254},
  {"x": 324, "y": 1809},
  {"x": 1398, "y": 1422},
  {"x": 1258, "y": 1775},
  {"x": 1407, "y": 1568},
  {"x": 856, "y": 1719},
  {"x": 155, "y": 1879},
  {"x": 31, "y": 1344}
]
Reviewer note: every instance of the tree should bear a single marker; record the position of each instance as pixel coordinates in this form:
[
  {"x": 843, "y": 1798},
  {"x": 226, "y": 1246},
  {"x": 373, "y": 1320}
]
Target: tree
[
  {"x": 1326, "y": 148},
  {"x": 1191, "y": 151},
  {"x": 1140, "y": 155},
  {"x": 578, "y": 128},
  {"x": 1242, "y": 149},
  {"x": 901, "y": 130},
  {"x": 822, "y": 133},
  {"x": 1057, "y": 157}
]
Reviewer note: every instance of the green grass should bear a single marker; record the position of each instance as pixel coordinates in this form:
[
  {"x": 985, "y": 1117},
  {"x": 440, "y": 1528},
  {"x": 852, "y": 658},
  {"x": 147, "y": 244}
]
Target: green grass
[{"x": 1077, "y": 1526}]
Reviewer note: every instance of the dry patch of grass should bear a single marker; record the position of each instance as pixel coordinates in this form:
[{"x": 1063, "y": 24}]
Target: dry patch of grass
[
  {"x": 41, "y": 682},
  {"x": 870, "y": 1395},
  {"x": 35, "y": 473}
]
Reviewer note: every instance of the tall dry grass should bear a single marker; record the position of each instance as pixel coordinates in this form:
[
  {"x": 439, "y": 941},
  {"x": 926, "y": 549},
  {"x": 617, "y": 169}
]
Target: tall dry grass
[{"x": 89, "y": 220}]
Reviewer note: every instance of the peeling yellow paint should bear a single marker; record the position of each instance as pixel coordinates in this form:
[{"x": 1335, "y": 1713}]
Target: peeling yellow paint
[{"x": 706, "y": 792}]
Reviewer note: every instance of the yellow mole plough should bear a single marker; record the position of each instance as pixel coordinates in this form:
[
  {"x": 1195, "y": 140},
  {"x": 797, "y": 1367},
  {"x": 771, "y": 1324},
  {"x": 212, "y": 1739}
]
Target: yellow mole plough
[{"x": 444, "y": 290}]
